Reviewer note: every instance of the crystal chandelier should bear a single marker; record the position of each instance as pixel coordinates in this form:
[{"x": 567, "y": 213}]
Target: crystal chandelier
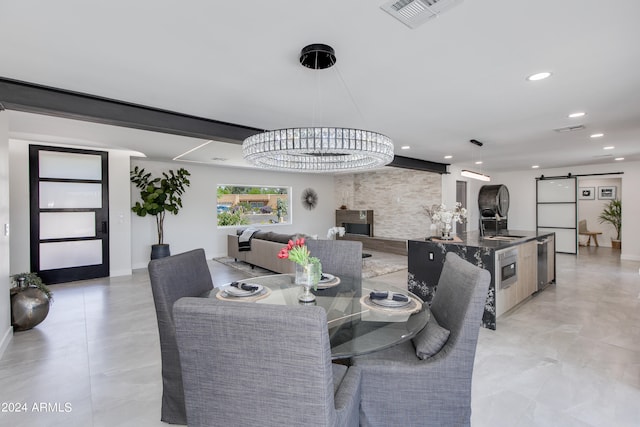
[{"x": 318, "y": 149}]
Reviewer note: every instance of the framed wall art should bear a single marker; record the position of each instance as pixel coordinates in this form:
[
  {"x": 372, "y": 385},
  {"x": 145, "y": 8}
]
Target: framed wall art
[
  {"x": 586, "y": 193},
  {"x": 607, "y": 193}
]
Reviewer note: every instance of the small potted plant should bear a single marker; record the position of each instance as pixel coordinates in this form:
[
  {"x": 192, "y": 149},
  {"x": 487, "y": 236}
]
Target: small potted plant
[
  {"x": 612, "y": 213},
  {"x": 30, "y": 300},
  {"x": 159, "y": 196}
]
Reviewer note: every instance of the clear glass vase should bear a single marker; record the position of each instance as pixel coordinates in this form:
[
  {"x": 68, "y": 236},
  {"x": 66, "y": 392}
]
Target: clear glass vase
[
  {"x": 433, "y": 231},
  {"x": 307, "y": 276}
]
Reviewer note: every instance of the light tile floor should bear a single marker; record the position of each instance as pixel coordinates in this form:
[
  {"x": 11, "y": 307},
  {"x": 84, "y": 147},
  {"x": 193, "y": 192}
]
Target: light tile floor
[{"x": 569, "y": 356}]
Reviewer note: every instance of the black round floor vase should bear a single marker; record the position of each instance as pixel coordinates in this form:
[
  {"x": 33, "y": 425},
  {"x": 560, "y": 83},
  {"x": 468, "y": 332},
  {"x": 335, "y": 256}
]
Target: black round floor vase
[{"x": 160, "y": 251}]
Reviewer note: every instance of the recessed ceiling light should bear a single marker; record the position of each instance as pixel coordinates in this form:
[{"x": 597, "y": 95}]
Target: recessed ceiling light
[
  {"x": 597, "y": 135},
  {"x": 577, "y": 114},
  {"x": 479, "y": 162},
  {"x": 448, "y": 156},
  {"x": 608, "y": 147},
  {"x": 539, "y": 76},
  {"x": 405, "y": 147},
  {"x": 619, "y": 158},
  {"x": 535, "y": 167}
]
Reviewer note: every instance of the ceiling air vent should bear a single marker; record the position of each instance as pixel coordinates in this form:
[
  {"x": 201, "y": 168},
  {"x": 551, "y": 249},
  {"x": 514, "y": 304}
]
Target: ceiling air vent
[
  {"x": 414, "y": 13},
  {"x": 570, "y": 128}
]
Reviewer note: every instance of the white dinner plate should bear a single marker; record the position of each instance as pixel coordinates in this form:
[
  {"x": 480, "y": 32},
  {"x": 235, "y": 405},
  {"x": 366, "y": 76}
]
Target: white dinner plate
[{"x": 239, "y": 292}]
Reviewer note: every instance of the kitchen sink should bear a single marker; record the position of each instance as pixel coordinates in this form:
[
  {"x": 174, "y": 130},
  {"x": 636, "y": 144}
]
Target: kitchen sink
[{"x": 507, "y": 238}]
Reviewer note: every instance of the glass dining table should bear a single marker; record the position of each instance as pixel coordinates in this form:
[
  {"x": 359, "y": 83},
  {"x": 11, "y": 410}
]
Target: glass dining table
[{"x": 357, "y": 324}]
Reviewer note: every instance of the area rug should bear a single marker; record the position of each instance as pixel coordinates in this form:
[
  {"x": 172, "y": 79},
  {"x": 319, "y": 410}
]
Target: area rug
[
  {"x": 376, "y": 267},
  {"x": 370, "y": 267}
]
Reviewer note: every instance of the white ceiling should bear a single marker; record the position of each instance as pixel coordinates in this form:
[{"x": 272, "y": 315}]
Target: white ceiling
[{"x": 455, "y": 78}]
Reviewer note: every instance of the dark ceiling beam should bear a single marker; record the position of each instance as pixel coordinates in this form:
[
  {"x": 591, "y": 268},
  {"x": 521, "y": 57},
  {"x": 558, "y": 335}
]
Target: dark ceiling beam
[
  {"x": 32, "y": 98},
  {"x": 417, "y": 164}
]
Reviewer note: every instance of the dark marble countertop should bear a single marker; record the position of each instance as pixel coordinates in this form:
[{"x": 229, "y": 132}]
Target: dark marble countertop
[{"x": 515, "y": 237}]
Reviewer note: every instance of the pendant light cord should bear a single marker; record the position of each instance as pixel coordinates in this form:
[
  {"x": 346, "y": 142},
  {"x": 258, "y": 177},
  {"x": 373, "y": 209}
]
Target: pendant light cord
[{"x": 351, "y": 97}]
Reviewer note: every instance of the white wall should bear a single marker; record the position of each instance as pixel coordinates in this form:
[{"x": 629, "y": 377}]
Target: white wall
[
  {"x": 5, "y": 309},
  {"x": 19, "y": 193},
  {"x": 119, "y": 199},
  {"x": 119, "y": 214},
  {"x": 195, "y": 226},
  {"x": 473, "y": 189},
  {"x": 522, "y": 192},
  {"x": 590, "y": 210}
]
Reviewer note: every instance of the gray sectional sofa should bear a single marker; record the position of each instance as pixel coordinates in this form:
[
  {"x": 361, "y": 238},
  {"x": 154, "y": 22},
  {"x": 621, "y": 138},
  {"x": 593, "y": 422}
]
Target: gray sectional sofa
[{"x": 265, "y": 246}]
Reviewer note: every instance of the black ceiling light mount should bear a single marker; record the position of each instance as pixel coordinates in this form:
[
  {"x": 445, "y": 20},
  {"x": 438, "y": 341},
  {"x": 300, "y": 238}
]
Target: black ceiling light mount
[
  {"x": 317, "y": 56},
  {"x": 476, "y": 142}
]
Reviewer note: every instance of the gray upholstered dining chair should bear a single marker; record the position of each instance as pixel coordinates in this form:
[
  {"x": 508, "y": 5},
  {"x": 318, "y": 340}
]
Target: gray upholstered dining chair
[
  {"x": 172, "y": 278},
  {"x": 250, "y": 364},
  {"x": 342, "y": 258},
  {"x": 427, "y": 381}
]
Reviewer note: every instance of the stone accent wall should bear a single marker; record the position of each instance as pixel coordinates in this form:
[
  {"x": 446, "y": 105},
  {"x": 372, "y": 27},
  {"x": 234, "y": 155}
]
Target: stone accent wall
[{"x": 397, "y": 196}]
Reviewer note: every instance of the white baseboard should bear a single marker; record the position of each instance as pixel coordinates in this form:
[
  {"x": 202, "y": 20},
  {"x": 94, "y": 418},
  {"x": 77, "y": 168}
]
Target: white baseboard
[
  {"x": 217, "y": 256},
  {"x": 628, "y": 257},
  {"x": 6, "y": 339},
  {"x": 116, "y": 273}
]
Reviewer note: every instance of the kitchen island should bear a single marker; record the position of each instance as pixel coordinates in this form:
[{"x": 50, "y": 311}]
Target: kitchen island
[{"x": 512, "y": 257}]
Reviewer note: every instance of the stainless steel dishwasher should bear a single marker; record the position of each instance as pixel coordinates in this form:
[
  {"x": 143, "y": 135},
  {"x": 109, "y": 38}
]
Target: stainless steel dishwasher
[{"x": 543, "y": 264}]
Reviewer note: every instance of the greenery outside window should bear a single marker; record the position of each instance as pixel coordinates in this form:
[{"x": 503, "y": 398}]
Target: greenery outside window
[{"x": 252, "y": 205}]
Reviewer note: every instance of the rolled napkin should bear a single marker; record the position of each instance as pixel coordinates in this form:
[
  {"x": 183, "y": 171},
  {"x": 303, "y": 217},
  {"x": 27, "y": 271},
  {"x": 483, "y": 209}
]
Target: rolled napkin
[
  {"x": 388, "y": 295},
  {"x": 244, "y": 286}
]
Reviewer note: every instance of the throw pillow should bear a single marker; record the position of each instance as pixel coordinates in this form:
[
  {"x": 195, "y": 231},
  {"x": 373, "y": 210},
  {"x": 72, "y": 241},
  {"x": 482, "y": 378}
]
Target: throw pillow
[{"x": 431, "y": 339}]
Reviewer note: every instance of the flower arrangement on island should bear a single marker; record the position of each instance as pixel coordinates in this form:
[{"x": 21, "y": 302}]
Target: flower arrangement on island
[{"x": 440, "y": 214}]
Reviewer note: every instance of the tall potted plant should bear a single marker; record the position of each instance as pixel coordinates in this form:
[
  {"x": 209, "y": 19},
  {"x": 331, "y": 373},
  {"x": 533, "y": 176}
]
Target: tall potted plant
[
  {"x": 612, "y": 213},
  {"x": 159, "y": 195}
]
